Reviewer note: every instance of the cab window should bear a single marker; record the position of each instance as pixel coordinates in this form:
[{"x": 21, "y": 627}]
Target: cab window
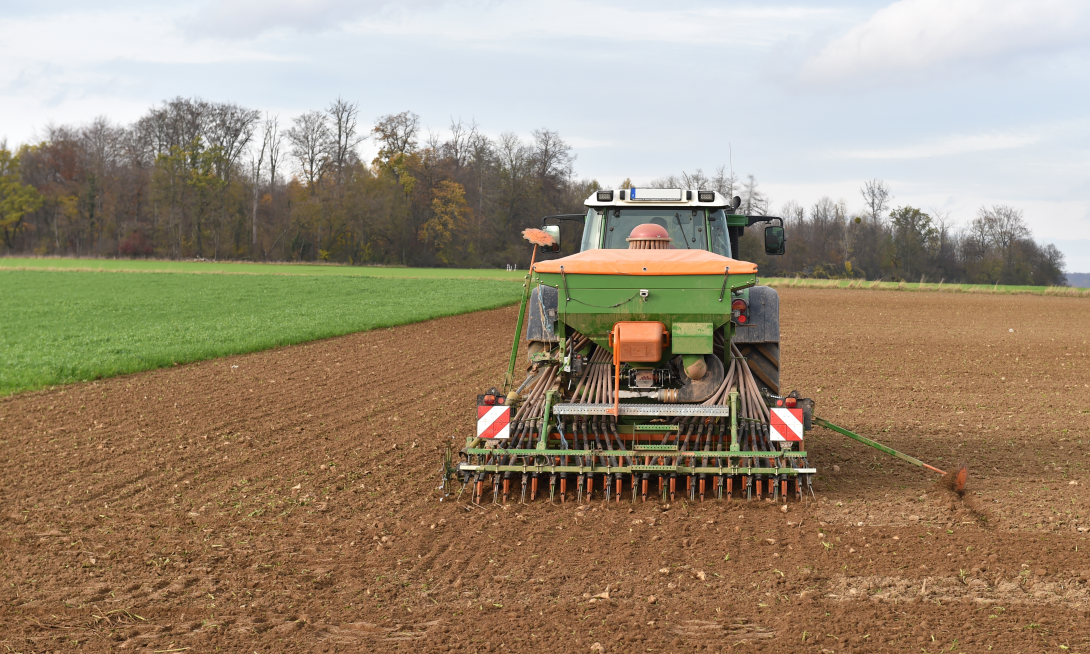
[
  {"x": 717, "y": 228},
  {"x": 685, "y": 226},
  {"x": 592, "y": 231}
]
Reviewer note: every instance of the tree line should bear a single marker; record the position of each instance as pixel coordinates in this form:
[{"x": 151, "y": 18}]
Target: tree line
[
  {"x": 881, "y": 242},
  {"x": 206, "y": 180}
]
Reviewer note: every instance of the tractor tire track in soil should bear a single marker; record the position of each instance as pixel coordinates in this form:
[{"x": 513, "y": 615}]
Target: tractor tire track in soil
[{"x": 287, "y": 501}]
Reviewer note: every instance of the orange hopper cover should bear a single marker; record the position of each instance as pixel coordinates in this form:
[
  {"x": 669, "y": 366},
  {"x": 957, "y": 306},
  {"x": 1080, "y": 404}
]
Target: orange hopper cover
[
  {"x": 646, "y": 262},
  {"x": 638, "y": 341}
]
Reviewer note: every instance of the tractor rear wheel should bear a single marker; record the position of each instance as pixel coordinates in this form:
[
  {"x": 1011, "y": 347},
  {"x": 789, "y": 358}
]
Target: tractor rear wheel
[
  {"x": 759, "y": 339},
  {"x": 764, "y": 362}
]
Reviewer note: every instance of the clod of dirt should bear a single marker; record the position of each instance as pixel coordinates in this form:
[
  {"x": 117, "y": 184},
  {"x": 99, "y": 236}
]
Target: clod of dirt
[{"x": 956, "y": 479}]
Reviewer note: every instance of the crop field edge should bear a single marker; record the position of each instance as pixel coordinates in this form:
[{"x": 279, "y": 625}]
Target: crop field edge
[
  {"x": 197, "y": 359},
  {"x": 924, "y": 287},
  {"x": 57, "y": 264},
  {"x": 168, "y": 266},
  {"x": 318, "y": 332}
]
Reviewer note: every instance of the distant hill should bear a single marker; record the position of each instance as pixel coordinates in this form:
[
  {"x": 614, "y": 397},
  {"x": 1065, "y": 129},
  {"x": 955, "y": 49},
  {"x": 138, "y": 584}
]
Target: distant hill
[{"x": 1078, "y": 280}]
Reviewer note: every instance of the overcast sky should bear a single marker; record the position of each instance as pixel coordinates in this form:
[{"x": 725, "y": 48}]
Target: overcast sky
[{"x": 955, "y": 103}]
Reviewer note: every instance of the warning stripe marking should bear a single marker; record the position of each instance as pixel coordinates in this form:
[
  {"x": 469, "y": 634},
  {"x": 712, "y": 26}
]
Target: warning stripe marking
[
  {"x": 494, "y": 422},
  {"x": 786, "y": 425}
]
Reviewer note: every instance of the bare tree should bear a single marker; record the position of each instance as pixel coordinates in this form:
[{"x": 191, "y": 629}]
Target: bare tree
[
  {"x": 457, "y": 148},
  {"x": 481, "y": 153},
  {"x": 697, "y": 180},
  {"x": 309, "y": 140},
  {"x": 877, "y": 195},
  {"x": 515, "y": 169},
  {"x": 231, "y": 127},
  {"x": 1004, "y": 228},
  {"x": 754, "y": 203},
  {"x": 270, "y": 142},
  {"x": 178, "y": 123},
  {"x": 670, "y": 181},
  {"x": 276, "y": 142},
  {"x": 793, "y": 212},
  {"x": 723, "y": 181},
  {"x": 344, "y": 136},
  {"x": 553, "y": 163}
]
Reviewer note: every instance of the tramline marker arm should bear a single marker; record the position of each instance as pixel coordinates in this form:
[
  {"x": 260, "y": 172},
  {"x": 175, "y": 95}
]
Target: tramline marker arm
[
  {"x": 509, "y": 378},
  {"x": 875, "y": 444}
]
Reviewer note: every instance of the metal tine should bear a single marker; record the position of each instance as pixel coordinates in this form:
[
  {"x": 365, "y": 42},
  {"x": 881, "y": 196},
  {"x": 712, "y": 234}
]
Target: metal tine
[{"x": 523, "y": 501}]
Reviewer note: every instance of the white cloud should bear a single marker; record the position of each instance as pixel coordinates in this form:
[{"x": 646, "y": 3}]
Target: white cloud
[
  {"x": 511, "y": 22},
  {"x": 582, "y": 142},
  {"x": 251, "y": 18},
  {"x": 958, "y": 144},
  {"x": 919, "y": 37},
  {"x": 79, "y": 40}
]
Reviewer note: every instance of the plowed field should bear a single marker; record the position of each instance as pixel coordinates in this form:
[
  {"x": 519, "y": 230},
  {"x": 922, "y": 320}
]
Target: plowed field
[{"x": 286, "y": 501}]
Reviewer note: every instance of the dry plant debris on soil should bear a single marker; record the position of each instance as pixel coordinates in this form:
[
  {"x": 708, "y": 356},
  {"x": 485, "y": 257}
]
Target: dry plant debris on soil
[{"x": 286, "y": 501}]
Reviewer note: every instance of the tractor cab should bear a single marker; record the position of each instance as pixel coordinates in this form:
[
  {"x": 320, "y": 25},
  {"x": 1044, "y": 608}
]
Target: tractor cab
[{"x": 691, "y": 219}]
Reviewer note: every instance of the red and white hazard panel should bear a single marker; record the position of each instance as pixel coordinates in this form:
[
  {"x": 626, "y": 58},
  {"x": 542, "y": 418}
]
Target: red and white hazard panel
[
  {"x": 786, "y": 425},
  {"x": 493, "y": 421}
]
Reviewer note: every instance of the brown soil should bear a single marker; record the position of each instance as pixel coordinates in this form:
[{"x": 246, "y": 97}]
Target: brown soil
[{"x": 286, "y": 501}]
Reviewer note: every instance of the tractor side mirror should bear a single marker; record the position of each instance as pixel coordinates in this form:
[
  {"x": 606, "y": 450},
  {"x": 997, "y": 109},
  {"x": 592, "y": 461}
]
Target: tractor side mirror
[
  {"x": 736, "y": 202},
  {"x": 554, "y": 232},
  {"x": 775, "y": 242}
]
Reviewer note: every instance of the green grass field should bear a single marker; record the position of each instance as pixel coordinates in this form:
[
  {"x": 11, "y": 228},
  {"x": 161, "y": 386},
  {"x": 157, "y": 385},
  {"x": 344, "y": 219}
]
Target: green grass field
[
  {"x": 61, "y": 327},
  {"x": 779, "y": 282},
  {"x": 240, "y": 268}
]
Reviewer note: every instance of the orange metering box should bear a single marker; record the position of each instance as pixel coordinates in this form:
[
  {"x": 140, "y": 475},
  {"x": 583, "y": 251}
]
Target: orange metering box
[{"x": 638, "y": 341}]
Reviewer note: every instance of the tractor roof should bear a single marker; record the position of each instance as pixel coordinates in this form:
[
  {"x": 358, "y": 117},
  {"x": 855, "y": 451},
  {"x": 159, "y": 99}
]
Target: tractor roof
[
  {"x": 646, "y": 262},
  {"x": 673, "y": 197}
]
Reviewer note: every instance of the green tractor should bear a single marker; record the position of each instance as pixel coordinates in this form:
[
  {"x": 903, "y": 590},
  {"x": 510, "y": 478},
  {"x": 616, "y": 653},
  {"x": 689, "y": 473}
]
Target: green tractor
[{"x": 652, "y": 364}]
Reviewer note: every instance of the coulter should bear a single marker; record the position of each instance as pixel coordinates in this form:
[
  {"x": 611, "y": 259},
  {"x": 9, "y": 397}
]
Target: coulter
[{"x": 652, "y": 366}]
